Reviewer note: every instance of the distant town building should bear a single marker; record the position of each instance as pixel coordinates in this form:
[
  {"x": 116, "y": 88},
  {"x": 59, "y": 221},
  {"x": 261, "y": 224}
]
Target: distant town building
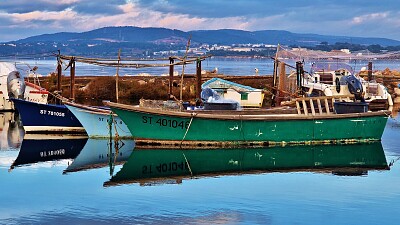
[{"x": 345, "y": 50}]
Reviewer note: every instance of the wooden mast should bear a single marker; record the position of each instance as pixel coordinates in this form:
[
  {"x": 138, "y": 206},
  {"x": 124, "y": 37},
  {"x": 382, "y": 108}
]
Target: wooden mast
[
  {"x": 276, "y": 66},
  {"x": 59, "y": 73},
  {"x": 171, "y": 77},
  {"x": 275, "y": 77},
  {"x": 198, "y": 81},
  {"x": 72, "y": 81},
  {"x": 183, "y": 68}
]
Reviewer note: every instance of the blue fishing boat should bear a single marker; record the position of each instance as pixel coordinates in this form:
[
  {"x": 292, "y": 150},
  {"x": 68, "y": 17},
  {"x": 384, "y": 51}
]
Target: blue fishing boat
[
  {"x": 99, "y": 121},
  {"x": 47, "y": 118}
]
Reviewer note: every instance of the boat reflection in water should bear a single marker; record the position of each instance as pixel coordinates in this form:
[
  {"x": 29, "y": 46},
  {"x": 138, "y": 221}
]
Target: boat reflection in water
[
  {"x": 43, "y": 148},
  {"x": 150, "y": 167},
  {"x": 11, "y": 131},
  {"x": 97, "y": 152}
]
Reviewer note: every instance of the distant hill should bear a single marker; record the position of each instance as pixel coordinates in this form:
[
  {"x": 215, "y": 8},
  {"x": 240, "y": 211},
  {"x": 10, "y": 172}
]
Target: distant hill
[
  {"x": 223, "y": 36},
  {"x": 109, "y": 34},
  {"x": 134, "y": 40}
]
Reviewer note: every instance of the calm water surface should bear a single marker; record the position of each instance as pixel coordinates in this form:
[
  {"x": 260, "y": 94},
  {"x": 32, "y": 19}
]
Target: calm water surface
[
  {"x": 227, "y": 66},
  {"x": 50, "y": 180}
]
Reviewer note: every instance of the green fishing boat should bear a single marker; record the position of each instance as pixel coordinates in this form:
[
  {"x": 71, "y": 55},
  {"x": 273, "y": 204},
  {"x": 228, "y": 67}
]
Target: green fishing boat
[
  {"x": 244, "y": 127},
  {"x": 146, "y": 166}
]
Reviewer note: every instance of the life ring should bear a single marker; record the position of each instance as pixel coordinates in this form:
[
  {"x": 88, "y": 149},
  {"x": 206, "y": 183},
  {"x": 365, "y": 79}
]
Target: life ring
[{"x": 337, "y": 82}]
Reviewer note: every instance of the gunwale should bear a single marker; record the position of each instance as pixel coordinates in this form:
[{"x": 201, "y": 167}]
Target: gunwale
[
  {"x": 263, "y": 115},
  {"x": 89, "y": 108}
]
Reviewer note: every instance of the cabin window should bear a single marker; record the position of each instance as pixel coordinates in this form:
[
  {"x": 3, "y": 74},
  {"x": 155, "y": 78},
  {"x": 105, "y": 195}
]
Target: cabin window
[
  {"x": 220, "y": 91},
  {"x": 326, "y": 78},
  {"x": 244, "y": 96}
]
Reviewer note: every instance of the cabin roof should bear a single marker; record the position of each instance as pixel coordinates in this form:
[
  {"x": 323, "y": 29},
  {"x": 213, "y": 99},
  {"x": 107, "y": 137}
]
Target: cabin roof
[
  {"x": 330, "y": 66},
  {"x": 225, "y": 84}
]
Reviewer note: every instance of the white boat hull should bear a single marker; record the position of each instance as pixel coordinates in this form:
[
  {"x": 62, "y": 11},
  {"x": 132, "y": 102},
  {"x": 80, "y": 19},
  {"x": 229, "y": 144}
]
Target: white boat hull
[{"x": 96, "y": 122}]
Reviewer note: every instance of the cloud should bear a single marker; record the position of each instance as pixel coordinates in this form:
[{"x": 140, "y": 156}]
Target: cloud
[
  {"x": 25, "y": 6},
  {"x": 378, "y": 24},
  {"x": 215, "y": 9},
  {"x": 369, "y": 18},
  {"x": 110, "y": 7},
  {"x": 38, "y": 19},
  {"x": 350, "y": 18},
  {"x": 134, "y": 15}
]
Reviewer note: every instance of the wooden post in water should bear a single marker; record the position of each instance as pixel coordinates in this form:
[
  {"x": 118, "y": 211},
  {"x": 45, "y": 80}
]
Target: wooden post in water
[
  {"x": 72, "y": 81},
  {"x": 171, "y": 77},
  {"x": 369, "y": 71},
  {"x": 198, "y": 80}
]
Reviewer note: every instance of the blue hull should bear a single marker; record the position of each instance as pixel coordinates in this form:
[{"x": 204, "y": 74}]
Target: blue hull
[
  {"x": 96, "y": 121},
  {"x": 47, "y": 118}
]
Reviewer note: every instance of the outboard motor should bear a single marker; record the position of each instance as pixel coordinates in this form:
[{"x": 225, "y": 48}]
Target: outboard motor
[
  {"x": 355, "y": 87},
  {"x": 15, "y": 85}
]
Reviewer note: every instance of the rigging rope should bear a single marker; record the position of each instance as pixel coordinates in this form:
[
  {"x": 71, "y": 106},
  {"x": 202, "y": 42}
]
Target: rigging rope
[{"x": 130, "y": 63}]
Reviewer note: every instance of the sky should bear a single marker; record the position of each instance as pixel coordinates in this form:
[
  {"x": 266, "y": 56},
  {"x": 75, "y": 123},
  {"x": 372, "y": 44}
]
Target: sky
[{"x": 358, "y": 18}]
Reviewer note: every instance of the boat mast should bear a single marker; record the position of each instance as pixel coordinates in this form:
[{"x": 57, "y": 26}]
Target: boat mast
[
  {"x": 59, "y": 73},
  {"x": 183, "y": 67},
  {"x": 72, "y": 80},
  {"x": 276, "y": 66},
  {"x": 276, "y": 61}
]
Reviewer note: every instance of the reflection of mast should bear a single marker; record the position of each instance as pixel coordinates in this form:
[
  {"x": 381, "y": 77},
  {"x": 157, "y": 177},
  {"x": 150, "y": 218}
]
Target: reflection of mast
[{"x": 112, "y": 156}]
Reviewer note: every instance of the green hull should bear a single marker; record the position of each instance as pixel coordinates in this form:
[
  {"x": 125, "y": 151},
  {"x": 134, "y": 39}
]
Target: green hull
[
  {"x": 252, "y": 128},
  {"x": 353, "y": 159}
]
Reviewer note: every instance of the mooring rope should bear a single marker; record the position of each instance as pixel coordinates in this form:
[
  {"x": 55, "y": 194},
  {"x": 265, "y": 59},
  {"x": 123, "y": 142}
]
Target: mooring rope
[
  {"x": 187, "y": 129},
  {"x": 184, "y": 136},
  {"x": 393, "y": 161},
  {"x": 115, "y": 127},
  {"x": 125, "y": 131},
  {"x": 188, "y": 165},
  {"x": 390, "y": 116}
]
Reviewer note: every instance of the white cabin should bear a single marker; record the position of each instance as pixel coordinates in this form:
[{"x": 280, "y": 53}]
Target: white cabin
[
  {"x": 31, "y": 91},
  {"x": 247, "y": 96}
]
